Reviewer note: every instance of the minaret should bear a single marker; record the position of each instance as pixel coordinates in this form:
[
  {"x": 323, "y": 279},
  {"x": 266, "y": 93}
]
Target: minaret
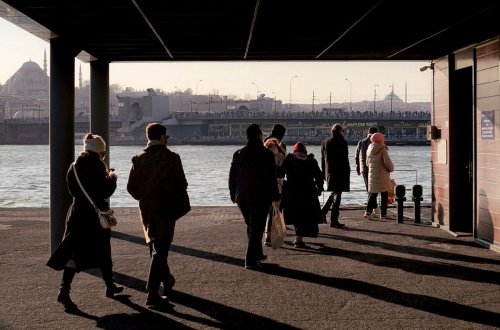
[
  {"x": 406, "y": 93},
  {"x": 45, "y": 61},
  {"x": 80, "y": 78}
]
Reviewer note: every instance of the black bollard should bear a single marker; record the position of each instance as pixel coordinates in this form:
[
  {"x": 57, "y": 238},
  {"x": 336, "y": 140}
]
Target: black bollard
[
  {"x": 417, "y": 198},
  {"x": 400, "y": 198}
]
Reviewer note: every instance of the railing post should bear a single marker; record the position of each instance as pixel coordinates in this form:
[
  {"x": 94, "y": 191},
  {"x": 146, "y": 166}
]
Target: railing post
[
  {"x": 416, "y": 198},
  {"x": 400, "y": 198}
]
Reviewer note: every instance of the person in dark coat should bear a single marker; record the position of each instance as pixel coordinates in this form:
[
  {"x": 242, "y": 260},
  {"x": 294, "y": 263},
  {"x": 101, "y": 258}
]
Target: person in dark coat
[
  {"x": 300, "y": 201},
  {"x": 86, "y": 244},
  {"x": 360, "y": 157},
  {"x": 157, "y": 180},
  {"x": 336, "y": 171},
  {"x": 253, "y": 187}
]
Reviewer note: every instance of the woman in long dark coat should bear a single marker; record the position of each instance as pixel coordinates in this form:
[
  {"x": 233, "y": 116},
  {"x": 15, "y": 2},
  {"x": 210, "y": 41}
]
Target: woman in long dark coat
[
  {"x": 337, "y": 172},
  {"x": 300, "y": 201},
  {"x": 86, "y": 244}
]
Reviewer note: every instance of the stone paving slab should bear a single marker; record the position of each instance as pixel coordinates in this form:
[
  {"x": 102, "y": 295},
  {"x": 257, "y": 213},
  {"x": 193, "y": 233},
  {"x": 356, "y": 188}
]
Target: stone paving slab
[{"x": 370, "y": 275}]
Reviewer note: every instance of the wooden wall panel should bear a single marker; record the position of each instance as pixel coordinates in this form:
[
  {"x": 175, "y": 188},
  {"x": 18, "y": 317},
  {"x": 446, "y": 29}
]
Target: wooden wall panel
[
  {"x": 440, "y": 116},
  {"x": 486, "y": 49},
  {"x": 486, "y": 228},
  {"x": 488, "y": 160},
  {"x": 491, "y": 189},
  {"x": 488, "y": 151},
  {"x": 486, "y": 175},
  {"x": 439, "y": 170},
  {"x": 490, "y": 147},
  {"x": 488, "y": 89},
  {"x": 488, "y": 104},
  {"x": 487, "y": 75},
  {"x": 491, "y": 204},
  {"x": 489, "y": 60}
]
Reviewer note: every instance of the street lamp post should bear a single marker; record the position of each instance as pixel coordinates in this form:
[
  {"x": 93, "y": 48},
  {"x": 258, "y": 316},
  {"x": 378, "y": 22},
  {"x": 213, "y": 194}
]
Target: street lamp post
[
  {"x": 291, "y": 92},
  {"x": 375, "y": 97},
  {"x": 196, "y": 92},
  {"x": 350, "y": 94}
]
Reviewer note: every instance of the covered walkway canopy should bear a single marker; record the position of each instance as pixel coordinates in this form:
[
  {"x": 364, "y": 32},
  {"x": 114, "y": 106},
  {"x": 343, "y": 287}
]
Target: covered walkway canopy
[
  {"x": 281, "y": 30},
  {"x": 105, "y": 31}
]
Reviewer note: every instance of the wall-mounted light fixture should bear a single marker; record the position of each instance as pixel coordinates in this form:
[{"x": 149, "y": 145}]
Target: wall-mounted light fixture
[{"x": 430, "y": 66}]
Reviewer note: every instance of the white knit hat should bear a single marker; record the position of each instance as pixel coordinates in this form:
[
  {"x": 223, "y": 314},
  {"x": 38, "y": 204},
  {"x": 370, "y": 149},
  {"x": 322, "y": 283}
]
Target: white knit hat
[{"x": 95, "y": 144}]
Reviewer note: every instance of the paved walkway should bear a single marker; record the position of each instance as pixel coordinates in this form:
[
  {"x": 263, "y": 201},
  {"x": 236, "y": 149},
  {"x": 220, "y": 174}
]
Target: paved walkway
[{"x": 370, "y": 275}]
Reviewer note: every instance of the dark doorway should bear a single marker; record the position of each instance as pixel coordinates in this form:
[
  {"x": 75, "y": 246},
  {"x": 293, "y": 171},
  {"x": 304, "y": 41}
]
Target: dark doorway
[{"x": 461, "y": 150}]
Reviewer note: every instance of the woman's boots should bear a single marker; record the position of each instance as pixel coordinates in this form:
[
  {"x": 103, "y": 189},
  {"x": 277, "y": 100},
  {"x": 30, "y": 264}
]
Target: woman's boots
[
  {"x": 68, "y": 275},
  {"x": 111, "y": 287},
  {"x": 63, "y": 296}
]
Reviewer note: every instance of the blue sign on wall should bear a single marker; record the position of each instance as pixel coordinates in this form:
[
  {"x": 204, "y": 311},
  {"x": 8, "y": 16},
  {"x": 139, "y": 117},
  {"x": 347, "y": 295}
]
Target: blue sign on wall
[{"x": 488, "y": 125}]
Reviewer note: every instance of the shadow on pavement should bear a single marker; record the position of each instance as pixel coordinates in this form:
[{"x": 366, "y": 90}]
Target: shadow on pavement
[{"x": 416, "y": 301}]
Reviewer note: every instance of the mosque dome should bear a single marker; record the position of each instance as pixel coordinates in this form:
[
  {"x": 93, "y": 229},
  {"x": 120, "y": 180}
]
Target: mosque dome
[
  {"x": 29, "y": 82},
  {"x": 30, "y": 65},
  {"x": 395, "y": 98}
]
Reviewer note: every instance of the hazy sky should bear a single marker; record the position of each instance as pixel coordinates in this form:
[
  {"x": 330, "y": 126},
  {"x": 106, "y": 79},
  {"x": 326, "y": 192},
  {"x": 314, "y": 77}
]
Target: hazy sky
[{"x": 243, "y": 79}]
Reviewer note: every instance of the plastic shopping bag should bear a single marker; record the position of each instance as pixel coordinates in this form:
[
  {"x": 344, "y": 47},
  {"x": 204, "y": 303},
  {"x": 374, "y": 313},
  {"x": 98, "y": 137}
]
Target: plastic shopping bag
[
  {"x": 392, "y": 188},
  {"x": 278, "y": 229}
]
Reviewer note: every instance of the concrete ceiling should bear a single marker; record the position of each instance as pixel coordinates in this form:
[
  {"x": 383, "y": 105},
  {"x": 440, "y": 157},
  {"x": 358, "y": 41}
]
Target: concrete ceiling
[{"x": 259, "y": 30}]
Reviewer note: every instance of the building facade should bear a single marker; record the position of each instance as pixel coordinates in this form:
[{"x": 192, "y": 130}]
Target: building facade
[{"x": 465, "y": 132}]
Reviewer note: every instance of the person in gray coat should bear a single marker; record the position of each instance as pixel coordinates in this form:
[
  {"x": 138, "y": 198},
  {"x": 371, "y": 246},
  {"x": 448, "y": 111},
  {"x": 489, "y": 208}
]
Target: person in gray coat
[
  {"x": 379, "y": 168},
  {"x": 336, "y": 171}
]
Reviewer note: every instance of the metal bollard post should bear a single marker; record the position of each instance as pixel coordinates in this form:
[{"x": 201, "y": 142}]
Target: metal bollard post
[
  {"x": 416, "y": 198},
  {"x": 400, "y": 198}
]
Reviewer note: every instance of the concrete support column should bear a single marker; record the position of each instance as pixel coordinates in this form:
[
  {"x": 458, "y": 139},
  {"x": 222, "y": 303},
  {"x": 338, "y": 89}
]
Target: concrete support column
[
  {"x": 61, "y": 133},
  {"x": 99, "y": 102}
]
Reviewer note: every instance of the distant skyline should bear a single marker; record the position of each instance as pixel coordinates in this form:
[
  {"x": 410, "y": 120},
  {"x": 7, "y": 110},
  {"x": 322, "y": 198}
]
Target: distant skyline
[{"x": 344, "y": 81}]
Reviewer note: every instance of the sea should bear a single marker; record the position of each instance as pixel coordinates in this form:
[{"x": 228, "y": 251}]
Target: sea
[{"x": 24, "y": 175}]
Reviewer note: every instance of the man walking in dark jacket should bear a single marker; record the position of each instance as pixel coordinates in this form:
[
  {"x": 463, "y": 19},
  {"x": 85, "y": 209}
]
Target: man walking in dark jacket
[
  {"x": 253, "y": 186},
  {"x": 337, "y": 172},
  {"x": 157, "y": 181}
]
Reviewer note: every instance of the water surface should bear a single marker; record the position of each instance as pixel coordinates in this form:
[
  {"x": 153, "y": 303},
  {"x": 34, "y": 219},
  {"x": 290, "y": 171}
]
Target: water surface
[{"x": 24, "y": 178}]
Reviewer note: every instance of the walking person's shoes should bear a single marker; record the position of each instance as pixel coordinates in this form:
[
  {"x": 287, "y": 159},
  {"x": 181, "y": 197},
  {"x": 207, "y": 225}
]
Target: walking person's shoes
[
  {"x": 337, "y": 225},
  {"x": 64, "y": 298},
  {"x": 168, "y": 285},
  {"x": 376, "y": 211},
  {"x": 262, "y": 257},
  {"x": 253, "y": 265},
  {"x": 299, "y": 244},
  {"x": 369, "y": 216},
  {"x": 113, "y": 289},
  {"x": 155, "y": 300}
]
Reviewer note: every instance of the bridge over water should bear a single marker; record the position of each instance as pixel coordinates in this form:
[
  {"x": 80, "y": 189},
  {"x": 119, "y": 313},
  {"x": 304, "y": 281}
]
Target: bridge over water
[{"x": 307, "y": 126}]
